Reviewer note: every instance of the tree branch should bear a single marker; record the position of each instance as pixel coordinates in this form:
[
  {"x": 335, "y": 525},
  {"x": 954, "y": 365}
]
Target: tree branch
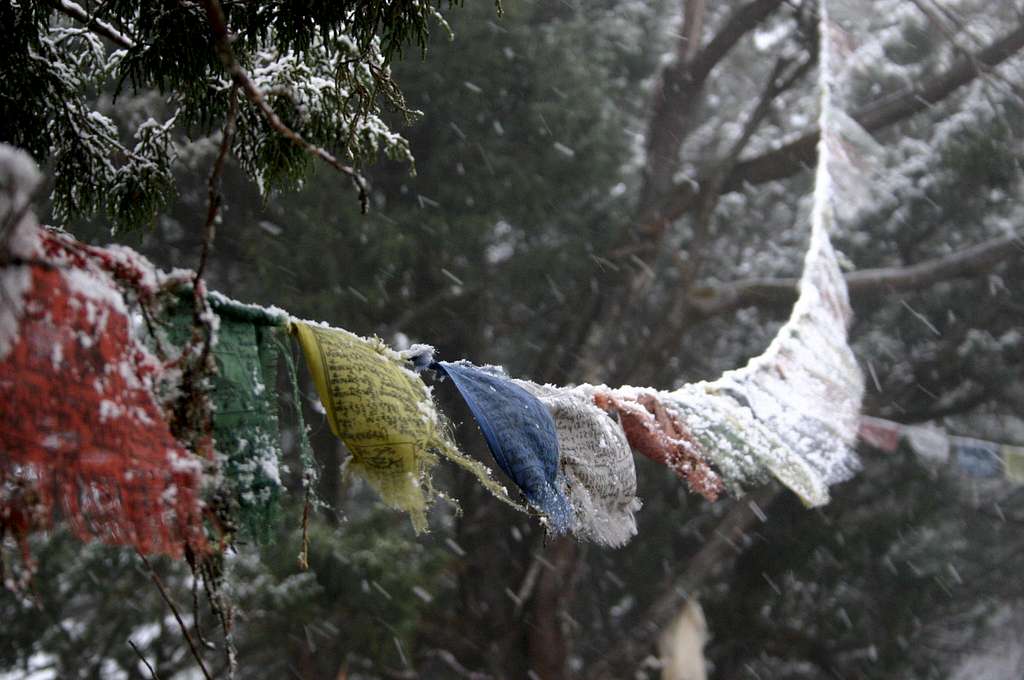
[
  {"x": 222, "y": 40},
  {"x": 621, "y": 660},
  {"x": 794, "y": 156},
  {"x": 778, "y": 82},
  {"x": 735, "y": 27},
  {"x": 177, "y": 615},
  {"x": 799, "y": 154},
  {"x": 680, "y": 85},
  {"x": 865, "y": 284},
  {"x": 693, "y": 28},
  {"x": 783, "y": 76},
  {"x": 97, "y": 26},
  {"x": 152, "y": 673},
  {"x": 213, "y": 195}
]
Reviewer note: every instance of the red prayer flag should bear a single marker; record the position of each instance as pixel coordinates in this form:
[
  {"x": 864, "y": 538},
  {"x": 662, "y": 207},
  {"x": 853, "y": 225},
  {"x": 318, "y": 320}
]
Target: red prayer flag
[
  {"x": 882, "y": 434},
  {"x": 80, "y": 429},
  {"x": 654, "y": 432}
]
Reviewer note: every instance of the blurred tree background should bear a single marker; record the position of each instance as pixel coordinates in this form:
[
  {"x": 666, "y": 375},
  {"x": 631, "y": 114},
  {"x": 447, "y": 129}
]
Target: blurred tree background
[{"x": 612, "y": 191}]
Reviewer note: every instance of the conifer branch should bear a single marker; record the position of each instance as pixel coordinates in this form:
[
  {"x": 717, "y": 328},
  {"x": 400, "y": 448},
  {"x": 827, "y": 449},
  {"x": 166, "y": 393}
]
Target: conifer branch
[
  {"x": 222, "y": 40},
  {"x": 93, "y": 23}
]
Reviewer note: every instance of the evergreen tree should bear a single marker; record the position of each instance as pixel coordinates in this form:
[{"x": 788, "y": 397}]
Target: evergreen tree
[{"x": 585, "y": 209}]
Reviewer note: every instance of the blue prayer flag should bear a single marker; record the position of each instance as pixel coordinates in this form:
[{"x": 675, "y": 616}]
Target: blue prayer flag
[
  {"x": 520, "y": 433},
  {"x": 977, "y": 458}
]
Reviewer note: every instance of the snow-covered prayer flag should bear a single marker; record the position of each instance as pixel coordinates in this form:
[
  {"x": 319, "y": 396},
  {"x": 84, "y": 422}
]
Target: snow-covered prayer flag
[
  {"x": 744, "y": 449},
  {"x": 374, "y": 406},
  {"x": 929, "y": 442},
  {"x": 385, "y": 415},
  {"x": 800, "y": 399},
  {"x": 597, "y": 462},
  {"x": 244, "y": 397},
  {"x": 655, "y": 433},
  {"x": 976, "y": 457},
  {"x": 81, "y": 430},
  {"x": 520, "y": 433}
]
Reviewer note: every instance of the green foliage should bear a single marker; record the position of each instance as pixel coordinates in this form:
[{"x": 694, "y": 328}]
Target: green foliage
[
  {"x": 323, "y": 66},
  {"x": 367, "y": 587},
  {"x": 358, "y": 601}
]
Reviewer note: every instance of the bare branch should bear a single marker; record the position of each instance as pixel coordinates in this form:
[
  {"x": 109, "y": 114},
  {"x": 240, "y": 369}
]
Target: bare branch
[
  {"x": 97, "y": 26},
  {"x": 799, "y": 154},
  {"x": 778, "y": 82},
  {"x": 622, "y": 659},
  {"x": 678, "y": 92},
  {"x": 693, "y": 28},
  {"x": 741, "y": 22},
  {"x": 865, "y": 284},
  {"x": 793, "y": 157},
  {"x": 219, "y": 28},
  {"x": 214, "y": 198},
  {"x": 449, "y": 660},
  {"x": 783, "y": 76},
  {"x": 304, "y": 553},
  {"x": 177, "y": 615},
  {"x": 152, "y": 673}
]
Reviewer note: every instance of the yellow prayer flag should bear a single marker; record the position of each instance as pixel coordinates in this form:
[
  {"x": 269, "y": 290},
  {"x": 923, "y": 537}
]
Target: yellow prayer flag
[
  {"x": 384, "y": 414},
  {"x": 1013, "y": 462}
]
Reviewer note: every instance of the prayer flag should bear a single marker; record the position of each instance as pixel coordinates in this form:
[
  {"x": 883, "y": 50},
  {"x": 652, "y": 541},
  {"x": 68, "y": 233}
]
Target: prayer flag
[
  {"x": 1013, "y": 463},
  {"x": 80, "y": 428},
  {"x": 384, "y": 414},
  {"x": 652, "y": 431},
  {"x": 929, "y": 442},
  {"x": 882, "y": 434},
  {"x": 745, "y": 449},
  {"x": 977, "y": 458},
  {"x": 520, "y": 433},
  {"x": 597, "y": 463},
  {"x": 244, "y": 398},
  {"x": 804, "y": 391}
]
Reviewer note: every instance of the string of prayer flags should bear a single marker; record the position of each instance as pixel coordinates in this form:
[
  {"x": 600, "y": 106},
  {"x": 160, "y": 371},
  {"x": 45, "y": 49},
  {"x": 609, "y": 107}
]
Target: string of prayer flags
[
  {"x": 385, "y": 416},
  {"x": 597, "y": 463},
  {"x": 125, "y": 401},
  {"x": 375, "y": 409},
  {"x": 244, "y": 398},
  {"x": 806, "y": 388},
  {"x": 80, "y": 430},
  {"x": 976, "y": 458},
  {"x": 653, "y": 432},
  {"x": 971, "y": 457},
  {"x": 521, "y": 435}
]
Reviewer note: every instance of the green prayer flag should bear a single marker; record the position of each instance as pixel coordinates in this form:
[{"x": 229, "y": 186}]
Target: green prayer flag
[{"x": 244, "y": 398}]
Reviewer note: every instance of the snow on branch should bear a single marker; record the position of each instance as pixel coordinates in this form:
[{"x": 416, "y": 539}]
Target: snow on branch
[
  {"x": 218, "y": 25},
  {"x": 976, "y": 260},
  {"x": 796, "y": 155},
  {"x": 94, "y": 24}
]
